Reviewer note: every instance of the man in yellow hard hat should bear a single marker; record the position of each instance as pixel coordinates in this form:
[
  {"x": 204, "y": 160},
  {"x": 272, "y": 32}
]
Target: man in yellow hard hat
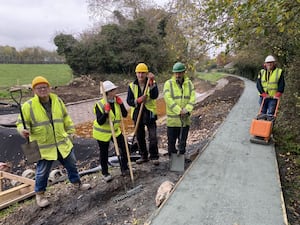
[
  {"x": 48, "y": 122},
  {"x": 270, "y": 85},
  {"x": 139, "y": 96}
]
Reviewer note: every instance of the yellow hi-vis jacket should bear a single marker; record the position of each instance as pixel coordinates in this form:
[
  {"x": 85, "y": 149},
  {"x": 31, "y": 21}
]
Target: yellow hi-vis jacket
[
  {"x": 103, "y": 132},
  {"x": 177, "y": 98},
  {"x": 49, "y": 138},
  {"x": 150, "y": 104},
  {"x": 270, "y": 85}
]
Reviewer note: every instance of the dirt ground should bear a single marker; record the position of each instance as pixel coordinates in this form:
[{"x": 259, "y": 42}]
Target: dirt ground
[{"x": 102, "y": 204}]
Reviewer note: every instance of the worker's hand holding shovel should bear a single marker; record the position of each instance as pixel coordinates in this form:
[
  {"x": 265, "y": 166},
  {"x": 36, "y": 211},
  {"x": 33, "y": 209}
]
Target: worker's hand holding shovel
[
  {"x": 183, "y": 112},
  {"x": 119, "y": 100},
  {"x": 107, "y": 108},
  {"x": 151, "y": 78},
  {"x": 25, "y": 133},
  {"x": 141, "y": 99}
]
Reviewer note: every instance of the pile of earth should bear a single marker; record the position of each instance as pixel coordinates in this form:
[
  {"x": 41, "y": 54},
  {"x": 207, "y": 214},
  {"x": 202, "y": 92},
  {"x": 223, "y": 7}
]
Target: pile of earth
[{"x": 98, "y": 205}]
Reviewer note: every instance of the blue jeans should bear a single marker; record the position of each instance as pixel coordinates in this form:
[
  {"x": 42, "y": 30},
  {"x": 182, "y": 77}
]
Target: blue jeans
[
  {"x": 269, "y": 105},
  {"x": 43, "y": 169}
]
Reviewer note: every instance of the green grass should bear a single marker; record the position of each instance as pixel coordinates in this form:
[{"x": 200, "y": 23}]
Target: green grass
[
  {"x": 19, "y": 74},
  {"x": 211, "y": 77}
]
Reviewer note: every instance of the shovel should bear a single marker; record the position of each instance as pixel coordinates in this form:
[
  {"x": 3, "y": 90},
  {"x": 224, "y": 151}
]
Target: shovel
[
  {"x": 177, "y": 159},
  {"x": 30, "y": 149}
]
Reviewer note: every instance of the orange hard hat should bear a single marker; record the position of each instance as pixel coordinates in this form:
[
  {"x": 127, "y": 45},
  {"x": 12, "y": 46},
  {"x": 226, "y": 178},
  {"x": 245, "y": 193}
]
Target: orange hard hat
[{"x": 39, "y": 80}]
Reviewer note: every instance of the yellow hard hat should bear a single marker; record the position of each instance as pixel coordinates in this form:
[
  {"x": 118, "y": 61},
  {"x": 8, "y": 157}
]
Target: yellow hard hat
[
  {"x": 141, "y": 67},
  {"x": 39, "y": 80}
]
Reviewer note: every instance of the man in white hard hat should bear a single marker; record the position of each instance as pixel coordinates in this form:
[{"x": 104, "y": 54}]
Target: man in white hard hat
[
  {"x": 270, "y": 85},
  {"x": 114, "y": 108}
]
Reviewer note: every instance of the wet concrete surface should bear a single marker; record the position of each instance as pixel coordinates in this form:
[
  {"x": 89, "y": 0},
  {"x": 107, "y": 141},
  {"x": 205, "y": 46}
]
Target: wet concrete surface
[{"x": 232, "y": 181}]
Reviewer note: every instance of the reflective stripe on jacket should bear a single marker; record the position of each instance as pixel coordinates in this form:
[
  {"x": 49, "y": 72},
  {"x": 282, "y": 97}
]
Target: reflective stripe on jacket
[
  {"x": 150, "y": 104},
  {"x": 49, "y": 138},
  {"x": 177, "y": 98},
  {"x": 270, "y": 86},
  {"x": 103, "y": 132}
]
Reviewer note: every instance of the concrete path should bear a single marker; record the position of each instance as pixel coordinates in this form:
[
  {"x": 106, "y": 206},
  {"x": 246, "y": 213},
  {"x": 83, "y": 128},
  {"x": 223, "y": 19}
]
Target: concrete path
[{"x": 233, "y": 182}]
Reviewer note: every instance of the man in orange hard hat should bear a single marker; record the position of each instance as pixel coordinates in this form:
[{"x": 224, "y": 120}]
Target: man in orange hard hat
[{"x": 49, "y": 123}]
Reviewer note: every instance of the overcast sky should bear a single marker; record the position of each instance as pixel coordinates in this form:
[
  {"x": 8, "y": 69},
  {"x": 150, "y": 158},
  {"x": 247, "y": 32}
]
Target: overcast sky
[{"x": 30, "y": 23}]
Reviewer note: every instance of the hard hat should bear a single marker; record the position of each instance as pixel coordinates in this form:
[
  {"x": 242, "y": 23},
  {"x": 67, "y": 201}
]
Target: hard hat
[
  {"x": 270, "y": 58},
  {"x": 141, "y": 67},
  {"x": 178, "y": 67},
  {"x": 108, "y": 86},
  {"x": 39, "y": 80}
]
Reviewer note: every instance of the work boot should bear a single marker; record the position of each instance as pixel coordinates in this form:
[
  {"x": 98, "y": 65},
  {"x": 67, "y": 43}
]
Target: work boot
[
  {"x": 141, "y": 160},
  {"x": 107, "y": 178},
  {"x": 155, "y": 162},
  {"x": 41, "y": 200},
  {"x": 82, "y": 187}
]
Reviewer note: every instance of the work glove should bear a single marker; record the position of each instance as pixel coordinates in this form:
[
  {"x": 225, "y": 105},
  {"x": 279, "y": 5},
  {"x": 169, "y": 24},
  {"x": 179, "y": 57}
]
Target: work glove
[
  {"x": 264, "y": 95},
  {"x": 151, "y": 79},
  {"x": 277, "y": 95},
  {"x": 72, "y": 136},
  {"x": 107, "y": 108},
  {"x": 119, "y": 100},
  {"x": 183, "y": 112},
  {"x": 141, "y": 99}
]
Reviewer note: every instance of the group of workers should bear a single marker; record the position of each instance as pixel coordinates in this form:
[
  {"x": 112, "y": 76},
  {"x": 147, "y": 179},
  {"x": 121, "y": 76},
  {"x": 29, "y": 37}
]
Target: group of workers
[{"x": 49, "y": 123}]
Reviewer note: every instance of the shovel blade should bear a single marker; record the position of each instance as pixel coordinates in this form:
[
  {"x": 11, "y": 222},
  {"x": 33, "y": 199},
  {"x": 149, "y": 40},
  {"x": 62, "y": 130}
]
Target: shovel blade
[
  {"x": 177, "y": 162},
  {"x": 31, "y": 151}
]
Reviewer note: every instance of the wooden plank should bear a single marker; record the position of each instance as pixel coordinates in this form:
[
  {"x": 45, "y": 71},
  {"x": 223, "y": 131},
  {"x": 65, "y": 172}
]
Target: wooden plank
[
  {"x": 20, "y": 198},
  {"x": 17, "y": 178},
  {"x": 18, "y": 193},
  {"x": 15, "y": 192}
]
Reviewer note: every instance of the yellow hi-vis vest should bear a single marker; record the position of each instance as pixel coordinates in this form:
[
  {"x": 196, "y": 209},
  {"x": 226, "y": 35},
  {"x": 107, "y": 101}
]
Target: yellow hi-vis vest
[
  {"x": 49, "y": 138},
  {"x": 270, "y": 85},
  {"x": 177, "y": 98},
  {"x": 103, "y": 132},
  {"x": 150, "y": 104}
]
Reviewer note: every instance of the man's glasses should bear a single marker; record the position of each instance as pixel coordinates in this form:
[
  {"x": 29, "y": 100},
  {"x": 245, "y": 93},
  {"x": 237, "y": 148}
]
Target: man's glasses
[{"x": 41, "y": 88}]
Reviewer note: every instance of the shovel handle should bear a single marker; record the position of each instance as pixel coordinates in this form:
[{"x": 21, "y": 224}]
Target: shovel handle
[
  {"x": 140, "y": 110},
  {"x": 127, "y": 150},
  {"x": 18, "y": 92}
]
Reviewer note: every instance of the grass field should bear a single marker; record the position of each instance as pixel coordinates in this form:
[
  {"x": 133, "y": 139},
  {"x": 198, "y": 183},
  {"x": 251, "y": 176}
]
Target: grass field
[
  {"x": 211, "y": 77},
  {"x": 19, "y": 74}
]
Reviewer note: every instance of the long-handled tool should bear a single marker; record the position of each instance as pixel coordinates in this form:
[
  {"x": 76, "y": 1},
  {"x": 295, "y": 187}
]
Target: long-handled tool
[
  {"x": 112, "y": 128},
  {"x": 30, "y": 149},
  {"x": 127, "y": 151},
  {"x": 177, "y": 159},
  {"x": 139, "y": 115},
  {"x": 262, "y": 125}
]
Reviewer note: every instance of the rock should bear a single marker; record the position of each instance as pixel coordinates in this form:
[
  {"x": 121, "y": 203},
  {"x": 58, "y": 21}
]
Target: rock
[{"x": 163, "y": 192}]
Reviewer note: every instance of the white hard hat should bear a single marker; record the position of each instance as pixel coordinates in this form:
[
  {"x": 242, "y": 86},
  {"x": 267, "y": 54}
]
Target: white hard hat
[
  {"x": 270, "y": 58},
  {"x": 108, "y": 86}
]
